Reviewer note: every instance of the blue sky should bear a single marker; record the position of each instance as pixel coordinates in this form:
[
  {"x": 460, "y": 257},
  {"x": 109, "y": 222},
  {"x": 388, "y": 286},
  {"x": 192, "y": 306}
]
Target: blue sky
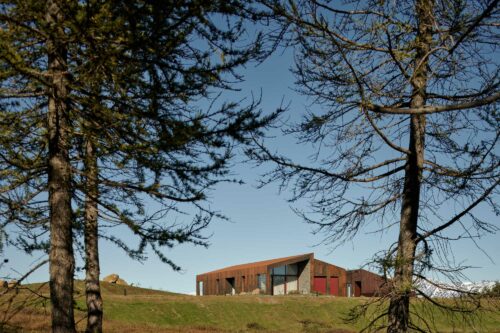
[{"x": 262, "y": 225}]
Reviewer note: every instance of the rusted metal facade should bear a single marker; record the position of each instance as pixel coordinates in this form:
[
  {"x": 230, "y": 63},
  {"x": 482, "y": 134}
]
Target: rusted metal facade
[
  {"x": 365, "y": 283},
  {"x": 301, "y": 274},
  {"x": 245, "y": 278},
  {"x": 330, "y": 272}
]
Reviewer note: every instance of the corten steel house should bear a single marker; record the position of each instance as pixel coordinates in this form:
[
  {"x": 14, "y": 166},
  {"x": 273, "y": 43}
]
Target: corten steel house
[
  {"x": 365, "y": 283},
  {"x": 301, "y": 274}
]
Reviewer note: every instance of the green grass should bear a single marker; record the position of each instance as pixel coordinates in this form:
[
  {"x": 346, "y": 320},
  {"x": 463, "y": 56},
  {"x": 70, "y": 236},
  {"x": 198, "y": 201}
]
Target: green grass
[
  {"x": 284, "y": 314},
  {"x": 132, "y": 309}
]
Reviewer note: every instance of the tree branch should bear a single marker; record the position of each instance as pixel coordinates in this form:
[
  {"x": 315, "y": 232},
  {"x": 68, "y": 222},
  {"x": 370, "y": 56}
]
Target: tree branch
[
  {"x": 431, "y": 109},
  {"x": 459, "y": 216},
  {"x": 474, "y": 24}
]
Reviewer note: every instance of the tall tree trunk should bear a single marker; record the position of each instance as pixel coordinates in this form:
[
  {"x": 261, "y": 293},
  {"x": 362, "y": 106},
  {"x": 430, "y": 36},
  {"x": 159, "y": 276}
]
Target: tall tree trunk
[
  {"x": 62, "y": 262},
  {"x": 92, "y": 287},
  {"x": 399, "y": 307}
]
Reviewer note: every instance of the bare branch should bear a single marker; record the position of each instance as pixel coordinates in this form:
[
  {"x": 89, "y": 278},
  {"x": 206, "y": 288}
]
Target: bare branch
[
  {"x": 461, "y": 214},
  {"x": 433, "y": 109}
]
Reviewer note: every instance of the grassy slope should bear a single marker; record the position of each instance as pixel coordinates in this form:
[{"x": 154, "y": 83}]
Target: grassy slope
[
  {"x": 145, "y": 310},
  {"x": 283, "y": 314}
]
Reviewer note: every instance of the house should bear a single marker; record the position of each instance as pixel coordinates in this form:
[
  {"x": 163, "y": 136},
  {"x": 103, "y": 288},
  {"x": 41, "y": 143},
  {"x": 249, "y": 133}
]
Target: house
[
  {"x": 361, "y": 282},
  {"x": 300, "y": 274}
]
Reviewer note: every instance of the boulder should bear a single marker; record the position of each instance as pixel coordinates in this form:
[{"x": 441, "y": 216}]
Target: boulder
[
  {"x": 256, "y": 291},
  {"x": 115, "y": 279},
  {"x": 12, "y": 284},
  {"x": 121, "y": 282},
  {"x": 111, "y": 278}
]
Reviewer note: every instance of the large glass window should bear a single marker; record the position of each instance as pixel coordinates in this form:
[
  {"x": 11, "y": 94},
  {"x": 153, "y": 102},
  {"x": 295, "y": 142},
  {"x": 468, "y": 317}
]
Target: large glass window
[
  {"x": 278, "y": 284},
  {"x": 291, "y": 269},
  {"x": 279, "y": 270},
  {"x": 285, "y": 270},
  {"x": 285, "y": 279}
]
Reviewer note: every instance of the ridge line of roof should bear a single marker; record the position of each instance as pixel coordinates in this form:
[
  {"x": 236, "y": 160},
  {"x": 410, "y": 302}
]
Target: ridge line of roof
[{"x": 256, "y": 263}]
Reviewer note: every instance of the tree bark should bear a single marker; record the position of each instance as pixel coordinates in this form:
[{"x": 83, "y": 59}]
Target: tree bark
[
  {"x": 62, "y": 262},
  {"x": 399, "y": 307},
  {"x": 92, "y": 287}
]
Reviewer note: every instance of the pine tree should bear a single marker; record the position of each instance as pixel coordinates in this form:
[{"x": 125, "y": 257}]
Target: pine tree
[{"x": 119, "y": 119}]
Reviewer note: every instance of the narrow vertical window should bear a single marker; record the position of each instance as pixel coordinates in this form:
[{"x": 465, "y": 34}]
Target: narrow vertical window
[
  {"x": 261, "y": 279},
  {"x": 200, "y": 287}
]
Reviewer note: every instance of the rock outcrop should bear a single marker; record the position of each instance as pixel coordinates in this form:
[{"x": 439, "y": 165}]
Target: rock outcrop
[
  {"x": 121, "y": 282},
  {"x": 111, "y": 278},
  {"x": 12, "y": 284},
  {"x": 115, "y": 279}
]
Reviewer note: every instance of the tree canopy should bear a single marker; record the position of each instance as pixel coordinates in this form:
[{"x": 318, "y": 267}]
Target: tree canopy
[
  {"x": 106, "y": 104},
  {"x": 405, "y": 126}
]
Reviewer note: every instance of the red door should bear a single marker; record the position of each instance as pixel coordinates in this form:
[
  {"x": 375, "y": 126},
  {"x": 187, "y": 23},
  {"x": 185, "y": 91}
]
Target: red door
[
  {"x": 319, "y": 284},
  {"x": 334, "y": 286}
]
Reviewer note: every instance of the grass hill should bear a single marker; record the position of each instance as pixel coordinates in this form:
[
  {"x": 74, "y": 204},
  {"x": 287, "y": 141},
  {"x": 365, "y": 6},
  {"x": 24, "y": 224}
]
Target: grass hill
[{"x": 132, "y": 310}]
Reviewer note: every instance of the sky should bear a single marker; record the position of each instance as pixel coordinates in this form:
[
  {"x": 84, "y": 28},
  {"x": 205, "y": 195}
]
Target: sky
[{"x": 263, "y": 225}]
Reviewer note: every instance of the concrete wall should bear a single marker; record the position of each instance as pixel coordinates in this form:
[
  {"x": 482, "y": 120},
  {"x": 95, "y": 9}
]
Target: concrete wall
[{"x": 304, "y": 277}]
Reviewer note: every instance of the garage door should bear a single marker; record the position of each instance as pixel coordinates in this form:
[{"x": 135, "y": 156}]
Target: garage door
[
  {"x": 319, "y": 284},
  {"x": 334, "y": 286}
]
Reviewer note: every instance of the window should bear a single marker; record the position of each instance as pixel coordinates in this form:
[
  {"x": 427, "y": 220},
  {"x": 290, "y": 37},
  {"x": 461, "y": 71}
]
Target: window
[
  {"x": 261, "y": 282},
  {"x": 200, "y": 287},
  {"x": 291, "y": 270},
  {"x": 279, "y": 270}
]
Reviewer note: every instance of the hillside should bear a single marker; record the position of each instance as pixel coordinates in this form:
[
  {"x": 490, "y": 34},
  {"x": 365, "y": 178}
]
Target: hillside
[
  {"x": 133, "y": 310},
  {"x": 107, "y": 289}
]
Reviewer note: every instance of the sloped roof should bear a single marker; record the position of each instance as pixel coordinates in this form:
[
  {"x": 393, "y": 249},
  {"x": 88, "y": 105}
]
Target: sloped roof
[{"x": 260, "y": 263}]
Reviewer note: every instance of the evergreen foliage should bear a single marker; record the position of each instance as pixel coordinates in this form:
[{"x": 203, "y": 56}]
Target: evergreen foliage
[{"x": 132, "y": 86}]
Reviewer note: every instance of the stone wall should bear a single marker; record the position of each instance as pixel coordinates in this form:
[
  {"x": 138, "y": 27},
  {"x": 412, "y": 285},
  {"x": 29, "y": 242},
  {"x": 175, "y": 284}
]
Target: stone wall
[{"x": 304, "y": 277}]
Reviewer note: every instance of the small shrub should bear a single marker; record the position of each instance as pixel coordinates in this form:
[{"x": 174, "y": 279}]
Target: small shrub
[
  {"x": 255, "y": 326},
  {"x": 313, "y": 326}
]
